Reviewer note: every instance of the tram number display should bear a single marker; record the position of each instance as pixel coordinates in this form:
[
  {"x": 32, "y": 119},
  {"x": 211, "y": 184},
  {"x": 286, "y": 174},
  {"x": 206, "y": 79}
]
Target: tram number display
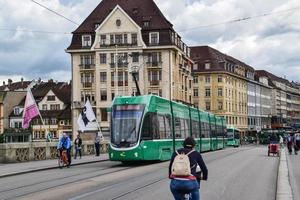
[{"x": 129, "y": 107}]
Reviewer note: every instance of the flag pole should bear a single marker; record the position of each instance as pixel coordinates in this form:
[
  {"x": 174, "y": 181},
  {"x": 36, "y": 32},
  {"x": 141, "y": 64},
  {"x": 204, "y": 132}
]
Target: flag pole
[{"x": 43, "y": 122}]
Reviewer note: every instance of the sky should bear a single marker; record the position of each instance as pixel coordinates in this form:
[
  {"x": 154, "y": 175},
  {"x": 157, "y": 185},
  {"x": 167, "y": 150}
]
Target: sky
[{"x": 270, "y": 42}]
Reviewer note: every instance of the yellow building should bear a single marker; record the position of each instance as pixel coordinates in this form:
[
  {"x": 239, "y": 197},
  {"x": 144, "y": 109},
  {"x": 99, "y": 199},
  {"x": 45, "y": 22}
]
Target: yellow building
[{"x": 220, "y": 85}]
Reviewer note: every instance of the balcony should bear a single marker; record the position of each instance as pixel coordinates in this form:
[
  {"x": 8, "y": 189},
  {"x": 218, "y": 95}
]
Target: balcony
[
  {"x": 154, "y": 64},
  {"x": 87, "y": 85},
  {"x": 113, "y": 45},
  {"x": 120, "y": 83},
  {"x": 154, "y": 83},
  {"x": 120, "y": 65},
  {"x": 87, "y": 67}
]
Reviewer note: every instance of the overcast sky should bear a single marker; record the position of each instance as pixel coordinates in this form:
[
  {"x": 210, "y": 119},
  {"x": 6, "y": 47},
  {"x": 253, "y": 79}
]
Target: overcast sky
[{"x": 271, "y": 42}]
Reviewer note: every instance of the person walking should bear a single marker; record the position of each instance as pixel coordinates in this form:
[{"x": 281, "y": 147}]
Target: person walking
[
  {"x": 182, "y": 171},
  {"x": 78, "y": 143},
  {"x": 290, "y": 143},
  {"x": 297, "y": 142},
  {"x": 97, "y": 144}
]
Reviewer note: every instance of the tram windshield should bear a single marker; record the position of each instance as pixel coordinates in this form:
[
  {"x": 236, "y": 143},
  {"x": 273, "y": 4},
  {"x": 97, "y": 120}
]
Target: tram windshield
[
  {"x": 233, "y": 134},
  {"x": 125, "y": 124}
]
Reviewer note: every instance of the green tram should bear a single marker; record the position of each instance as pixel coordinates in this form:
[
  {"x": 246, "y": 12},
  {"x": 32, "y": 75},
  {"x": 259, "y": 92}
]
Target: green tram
[
  {"x": 233, "y": 137},
  {"x": 141, "y": 128}
]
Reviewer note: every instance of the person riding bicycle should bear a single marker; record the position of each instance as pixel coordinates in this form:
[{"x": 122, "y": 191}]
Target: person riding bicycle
[
  {"x": 187, "y": 184},
  {"x": 64, "y": 144}
]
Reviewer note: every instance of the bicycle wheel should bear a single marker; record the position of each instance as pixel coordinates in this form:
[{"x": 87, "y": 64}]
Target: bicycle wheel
[{"x": 60, "y": 162}]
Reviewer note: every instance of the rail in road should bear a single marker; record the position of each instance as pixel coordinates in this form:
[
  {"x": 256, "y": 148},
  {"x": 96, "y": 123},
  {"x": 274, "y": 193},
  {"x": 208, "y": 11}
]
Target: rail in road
[{"x": 110, "y": 180}]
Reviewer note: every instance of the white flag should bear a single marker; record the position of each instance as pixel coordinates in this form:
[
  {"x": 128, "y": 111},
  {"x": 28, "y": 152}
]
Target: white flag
[{"x": 86, "y": 116}]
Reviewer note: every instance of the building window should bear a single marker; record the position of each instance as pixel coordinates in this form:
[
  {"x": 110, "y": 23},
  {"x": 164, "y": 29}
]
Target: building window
[
  {"x": 220, "y": 105},
  {"x": 134, "y": 38},
  {"x": 154, "y": 38},
  {"x": 195, "y": 66},
  {"x": 195, "y": 79},
  {"x": 196, "y": 93},
  {"x": 103, "y": 114},
  {"x": 51, "y": 98},
  {"x": 207, "y": 105},
  {"x": 102, "y": 58},
  {"x": 102, "y": 77},
  {"x": 125, "y": 40},
  {"x": 17, "y": 111},
  {"x": 207, "y": 79},
  {"x": 207, "y": 65},
  {"x": 54, "y": 107},
  {"x": 118, "y": 39},
  {"x": 44, "y": 107},
  {"x": 207, "y": 92},
  {"x": 86, "y": 40},
  {"x": 146, "y": 24},
  {"x": 220, "y": 92},
  {"x": 103, "y": 95},
  {"x": 102, "y": 39},
  {"x": 135, "y": 57},
  {"x": 112, "y": 39},
  {"x": 219, "y": 78}
]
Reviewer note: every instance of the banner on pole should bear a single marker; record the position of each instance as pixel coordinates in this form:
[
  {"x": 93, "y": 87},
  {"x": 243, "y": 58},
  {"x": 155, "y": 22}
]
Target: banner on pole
[{"x": 30, "y": 109}]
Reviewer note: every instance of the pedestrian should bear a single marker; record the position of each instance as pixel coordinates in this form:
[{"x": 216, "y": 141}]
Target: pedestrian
[
  {"x": 290, "y": 143},
  {"x": 297, "y": 141},
  {"x": 64, "y": 144},
  {"x": 97, "y": 144},
  {"x": 281, "y": 141},
  {"x": 78, "y": 143},
  {"x": 183, "y": 175}
]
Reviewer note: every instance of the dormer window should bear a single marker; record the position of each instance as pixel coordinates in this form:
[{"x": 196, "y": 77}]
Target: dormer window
[
  {"x": 207, "y": 65},
  {"x": 16, "y": 110},
  {"x": 146, "y": 24},
  {"x": 154, "y": 38},
  {"x": 97, "y": 25},
  {"x": 86, "y": 40}
]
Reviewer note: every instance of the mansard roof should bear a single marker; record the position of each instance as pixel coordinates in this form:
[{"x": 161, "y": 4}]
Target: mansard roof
[
  {"x": 138, "y": 10},
  {"x": 204, "y": 54}
]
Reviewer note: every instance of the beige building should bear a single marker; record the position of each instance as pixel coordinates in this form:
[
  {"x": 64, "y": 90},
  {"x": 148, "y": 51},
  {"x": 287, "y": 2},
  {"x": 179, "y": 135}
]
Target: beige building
[
  {"x": 116, "y": 39},
  {"x": 220, "y": 85}
]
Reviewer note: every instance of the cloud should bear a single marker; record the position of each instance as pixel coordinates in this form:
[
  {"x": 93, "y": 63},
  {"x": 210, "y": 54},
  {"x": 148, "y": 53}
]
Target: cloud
[{"x": 268, "y": 42}]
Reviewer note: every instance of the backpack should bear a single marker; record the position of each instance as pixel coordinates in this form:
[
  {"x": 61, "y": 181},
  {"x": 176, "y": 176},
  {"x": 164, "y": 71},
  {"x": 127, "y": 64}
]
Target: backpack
[{"x": 181, "y": 164}]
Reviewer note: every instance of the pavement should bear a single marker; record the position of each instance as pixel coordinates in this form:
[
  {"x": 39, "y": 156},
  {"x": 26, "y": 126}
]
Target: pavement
[
  {"x": 12, "y": 169},
  {"x": 293, "y": 162},
  {"x": 234, "y": 174}
]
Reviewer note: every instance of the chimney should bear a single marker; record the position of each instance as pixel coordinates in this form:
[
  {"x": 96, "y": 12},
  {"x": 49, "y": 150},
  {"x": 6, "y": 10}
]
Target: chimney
[
  {"x": 3, "y": 82},
  {"x": 9, "y": 82},
  {"x": 50, "y": 80},
  {"x": 22, "y": 80},
  {"x": 39, "y": 80}
]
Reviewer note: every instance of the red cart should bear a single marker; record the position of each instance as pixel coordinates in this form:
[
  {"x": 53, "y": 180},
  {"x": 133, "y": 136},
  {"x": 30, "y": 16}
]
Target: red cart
[{"x": 274, "y": 149}]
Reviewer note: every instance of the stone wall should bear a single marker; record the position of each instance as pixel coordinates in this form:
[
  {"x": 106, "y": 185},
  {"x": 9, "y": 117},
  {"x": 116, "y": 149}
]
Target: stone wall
[{"x": 22, "y": 152}]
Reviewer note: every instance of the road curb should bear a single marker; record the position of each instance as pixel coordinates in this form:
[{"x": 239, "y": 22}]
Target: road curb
[
  {"x": 284, "y": 190},
  {"x": 47, "y": 168}
]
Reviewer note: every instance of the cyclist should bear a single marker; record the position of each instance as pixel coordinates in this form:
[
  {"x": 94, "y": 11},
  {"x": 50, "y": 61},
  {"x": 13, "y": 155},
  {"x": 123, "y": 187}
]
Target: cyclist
[
  {"x": 64, "y": 143},
  {"x": 181, "y": 185}
]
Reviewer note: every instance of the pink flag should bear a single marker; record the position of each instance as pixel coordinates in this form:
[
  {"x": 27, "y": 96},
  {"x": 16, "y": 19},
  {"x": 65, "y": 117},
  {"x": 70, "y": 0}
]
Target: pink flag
[{"x": 30, "y": 109}]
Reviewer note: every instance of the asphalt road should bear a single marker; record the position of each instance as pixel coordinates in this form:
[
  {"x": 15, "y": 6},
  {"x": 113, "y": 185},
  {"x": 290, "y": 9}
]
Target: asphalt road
[
  {"x": 294, "y": 173},
  {"x": 241, "y": 173}
]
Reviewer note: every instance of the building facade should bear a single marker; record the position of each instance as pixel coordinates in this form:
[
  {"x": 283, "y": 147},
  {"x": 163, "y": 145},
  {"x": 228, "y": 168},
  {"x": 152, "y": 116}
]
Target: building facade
[
  {"x": 285, "y": 100},
  {"x": 54, "y": 103},
  {"x": 121, "y": 37},
  {"x": 220, "y": 85}
]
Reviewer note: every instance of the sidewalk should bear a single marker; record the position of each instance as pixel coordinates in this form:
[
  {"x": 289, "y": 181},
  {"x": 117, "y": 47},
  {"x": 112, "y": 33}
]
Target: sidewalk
[{"x": 33, "y": 166}]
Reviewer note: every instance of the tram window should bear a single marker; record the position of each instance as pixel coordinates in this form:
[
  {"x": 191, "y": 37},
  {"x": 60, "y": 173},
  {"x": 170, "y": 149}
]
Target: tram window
[
  {"x": 177, "y": 128},
  {"x": 155, "y": 126},
  {"x": 168, "y": 127},
  {"x": 184, "y": 128},
  {"x": 195, "y": 129},
  {"x": 146, "y": 130},
  {"x": 161, "y": 127}
]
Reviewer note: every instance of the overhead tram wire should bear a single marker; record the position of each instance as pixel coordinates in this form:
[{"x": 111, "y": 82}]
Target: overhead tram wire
[
  {"x": 33, "y": 31},
  {"x": 239, "y": 19},
  {"x": 56, "y": 13}
]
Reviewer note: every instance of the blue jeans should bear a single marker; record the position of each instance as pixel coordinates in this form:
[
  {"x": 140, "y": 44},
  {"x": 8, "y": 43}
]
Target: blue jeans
[{"x": 181, "y": 187}]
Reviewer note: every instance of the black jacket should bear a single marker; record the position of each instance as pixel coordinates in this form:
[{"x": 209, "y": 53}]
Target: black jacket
[
  {"x": 195, "y": 158},
  {"x": 78, "y": 142}
]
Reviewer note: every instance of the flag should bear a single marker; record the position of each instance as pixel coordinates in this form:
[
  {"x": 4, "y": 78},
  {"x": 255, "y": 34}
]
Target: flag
[
  {"x": 86, "y": 116},
  {"x": 30, "y": 109}
]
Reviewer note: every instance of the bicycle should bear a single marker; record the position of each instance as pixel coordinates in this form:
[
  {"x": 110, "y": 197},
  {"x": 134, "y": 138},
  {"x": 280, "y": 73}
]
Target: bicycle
[{"x": 62, "y": 159}]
